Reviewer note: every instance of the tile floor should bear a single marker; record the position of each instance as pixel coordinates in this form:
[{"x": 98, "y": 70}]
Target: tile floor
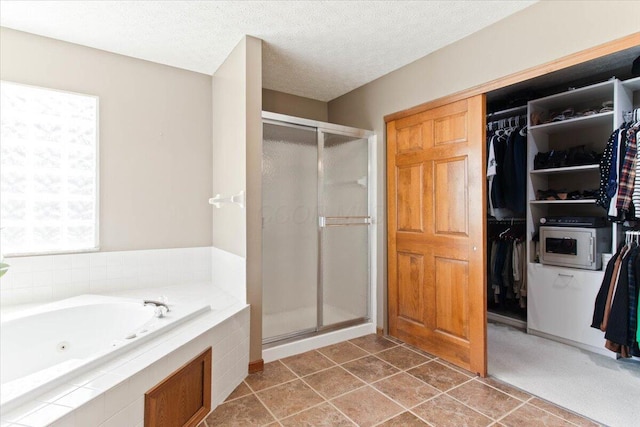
[{"x": 377, "y": 381}]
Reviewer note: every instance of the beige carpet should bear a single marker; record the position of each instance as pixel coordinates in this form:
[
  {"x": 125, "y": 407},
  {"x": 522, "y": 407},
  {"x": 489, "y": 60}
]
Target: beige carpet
[{"x": 603, "y": 389}]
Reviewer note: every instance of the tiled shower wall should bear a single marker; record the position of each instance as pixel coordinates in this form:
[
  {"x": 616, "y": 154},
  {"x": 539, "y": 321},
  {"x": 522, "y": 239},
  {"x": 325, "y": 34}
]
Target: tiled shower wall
[{"x": 36, "y": 279}]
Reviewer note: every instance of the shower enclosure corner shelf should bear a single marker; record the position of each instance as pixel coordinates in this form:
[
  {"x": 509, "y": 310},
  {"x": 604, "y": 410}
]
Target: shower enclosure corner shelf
[{"x": 317, "y": 239}]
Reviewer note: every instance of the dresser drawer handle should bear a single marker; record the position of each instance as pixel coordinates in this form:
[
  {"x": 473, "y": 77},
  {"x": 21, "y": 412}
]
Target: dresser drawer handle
[{"x": 565, "y": 275}]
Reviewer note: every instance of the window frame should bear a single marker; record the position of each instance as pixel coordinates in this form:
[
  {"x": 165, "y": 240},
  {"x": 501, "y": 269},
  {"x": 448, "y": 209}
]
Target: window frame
[{"x": 96, "y": 247}]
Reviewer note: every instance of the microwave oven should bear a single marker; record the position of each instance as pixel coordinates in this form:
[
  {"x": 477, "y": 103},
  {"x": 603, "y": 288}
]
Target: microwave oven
[{"x": 576, "y": 247}]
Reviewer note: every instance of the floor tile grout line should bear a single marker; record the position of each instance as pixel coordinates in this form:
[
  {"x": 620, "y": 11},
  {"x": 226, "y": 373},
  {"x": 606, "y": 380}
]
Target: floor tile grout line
[
  {"x": 276, "y": 385},
  {"x": 358, "y": 347},
  {"x": 325, "y": 400},
  {"x": 316, "y": 372},
  {"x": 343, "y": 414},
  {"x": 325, "y": 356},
  {"x": 379, "y": 351},
  {"x": 498, "y": 380},
  {"x": 267, "y": 408},
  {"x": 454, "y": 368},
  {"x": 479, "y": 380},
  {"x": 306, "y": 384},
  {"x": 522, "y": 403},
  {"x": 352, "y": 360},
  {"x": 297, "y": 377},
  {"x": 293, "y": 414},
  {"x": 354, "y": 376},
  {"x": 433, "y": 386},
  {"x": 347, "y": 392},
  {"x": 442, "y": 393},
  {"x": 316, "y": 351},
  {"x": 404, "y": 408},
  {"x": 388, "y": 363},
  {"x": 259, "y": 400},
  {"x": 533, "y": 396},
  {"x": 291, "y": 370},
  {"x": 418, "y": 351},
  {"x": 427, "y": 360},
  {"x": 493, "y": 420},
  {"x": 560, "y": 407},
  {"x": 458, "y": 385},
  {"x": 227, "y": 400},
  {"x": 390, "y": 418},
  {"x": 384, "y": 395},
  {"x": 506, "y": 414},
  {"x": 439, "y": 392}
]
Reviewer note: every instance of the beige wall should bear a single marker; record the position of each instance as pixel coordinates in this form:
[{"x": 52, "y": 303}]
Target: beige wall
[
  {"x": 293, "y": 105},
  {"x": 543, "y": 32},
  {"x": 237, "y": 166},
  {"x": 155, "y": 137},
  {"x": 229, "y": 149},
  {"x": 254, "y": 194}
]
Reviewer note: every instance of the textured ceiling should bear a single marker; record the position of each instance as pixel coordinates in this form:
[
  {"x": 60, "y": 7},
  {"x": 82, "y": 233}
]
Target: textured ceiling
[{"x": 317, "y": 49}]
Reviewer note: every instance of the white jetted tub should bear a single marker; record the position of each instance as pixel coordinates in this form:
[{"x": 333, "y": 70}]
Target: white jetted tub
[{"x": 42, "y": 347}]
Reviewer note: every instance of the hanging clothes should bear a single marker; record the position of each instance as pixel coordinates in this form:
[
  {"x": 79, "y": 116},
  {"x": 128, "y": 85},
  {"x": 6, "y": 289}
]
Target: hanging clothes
[
  {"x": 618, "y": 192},
  {"x": 616, "y": 305},
  {"x": 627, "y": 174},
  {"x": 519, "y": 263},
  {"x": 506, "y": 170},
  {"x": 506, "y": 269}
]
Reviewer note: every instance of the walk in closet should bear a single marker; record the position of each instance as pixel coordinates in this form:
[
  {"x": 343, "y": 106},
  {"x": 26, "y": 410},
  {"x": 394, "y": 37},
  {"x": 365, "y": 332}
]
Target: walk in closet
[
  {"x": 559, "y": 203},
  {"x": 529, "y": 250}
]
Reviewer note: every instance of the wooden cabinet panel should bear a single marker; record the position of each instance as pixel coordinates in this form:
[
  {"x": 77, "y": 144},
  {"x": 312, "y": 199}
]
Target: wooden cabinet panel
[
  {"x": 183, "y": 398},
  {"x": 410, "y": 285},
  {"x": 450, "y": 196},
  {"x": 452, "y": 297},
  {"x": 410, "y": 139},
  {"x": 450, "y": 129},
  {"x": 410, "y": 189}
]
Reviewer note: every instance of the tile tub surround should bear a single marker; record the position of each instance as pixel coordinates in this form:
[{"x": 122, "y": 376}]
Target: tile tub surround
[
  {"x": 374, "y": 381},
  {"x": 44, "y": 278},
  {"x": 113, "y": 394}
]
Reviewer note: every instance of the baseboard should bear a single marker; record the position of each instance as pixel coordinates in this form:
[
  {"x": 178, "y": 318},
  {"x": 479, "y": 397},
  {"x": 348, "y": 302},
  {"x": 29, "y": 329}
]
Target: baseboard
[
  {"x": 506, "y": 320},
  {"x": 311, "y": 343},
  {"x": 379, "y": 331},
  {"x": 256, "y": 366}
]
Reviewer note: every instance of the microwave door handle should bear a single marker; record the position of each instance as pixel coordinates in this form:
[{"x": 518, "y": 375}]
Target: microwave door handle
[{"x": 591, "y": 249}]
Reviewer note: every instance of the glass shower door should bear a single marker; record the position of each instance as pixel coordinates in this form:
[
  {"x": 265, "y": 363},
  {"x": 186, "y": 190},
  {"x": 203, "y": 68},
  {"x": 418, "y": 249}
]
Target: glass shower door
[
  {"x": 290, "y": 230},
  {"x": 344, "y": 228}
]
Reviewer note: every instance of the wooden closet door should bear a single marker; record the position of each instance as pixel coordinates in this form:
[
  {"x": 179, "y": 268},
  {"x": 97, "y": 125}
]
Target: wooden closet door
[{"x": 436, "y": 237}]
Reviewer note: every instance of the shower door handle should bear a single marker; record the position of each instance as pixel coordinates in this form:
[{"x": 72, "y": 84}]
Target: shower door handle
[{"x": 343, "y": 221}]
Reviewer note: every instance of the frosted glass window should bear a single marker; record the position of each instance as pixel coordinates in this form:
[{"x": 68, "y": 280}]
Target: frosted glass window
[{"x": 48, "y": 170}]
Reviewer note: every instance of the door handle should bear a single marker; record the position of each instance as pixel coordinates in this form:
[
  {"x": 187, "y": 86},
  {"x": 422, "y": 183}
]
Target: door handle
[{"x": 343, "y": 221}]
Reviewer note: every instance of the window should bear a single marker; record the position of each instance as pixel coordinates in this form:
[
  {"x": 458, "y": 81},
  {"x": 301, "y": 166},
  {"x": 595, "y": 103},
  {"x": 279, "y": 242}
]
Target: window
[{"x": 48, "y": 170}]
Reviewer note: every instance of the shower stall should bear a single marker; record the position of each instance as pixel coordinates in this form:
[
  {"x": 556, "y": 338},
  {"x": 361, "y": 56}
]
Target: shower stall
[{"x": 317, "y": 233}]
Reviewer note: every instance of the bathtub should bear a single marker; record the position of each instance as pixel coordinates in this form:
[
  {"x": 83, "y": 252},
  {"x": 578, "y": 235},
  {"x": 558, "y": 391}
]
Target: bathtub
[{"x": 43, "y": 347}]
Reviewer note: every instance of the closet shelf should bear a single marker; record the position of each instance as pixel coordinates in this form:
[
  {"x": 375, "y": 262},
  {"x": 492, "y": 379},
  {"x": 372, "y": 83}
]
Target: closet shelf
[
  {"x": 563, "y": 202},
  {"x": 599, "y": 91},
  {"x": 568, "y": 169},
  {"x": 574, "y": 124},
  {"x": 633, "y": 84}
]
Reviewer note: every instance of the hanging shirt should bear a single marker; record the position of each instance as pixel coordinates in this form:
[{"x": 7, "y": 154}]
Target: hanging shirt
[
  {"x": 613, "y": 175},
  {"x": 605, "y": 168},
  {"x": 495, "y": 193},
  {"x": 628, "y": 173},
  {"x": 636, "y": 188},
  {"x": 601, "y": 298}
]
